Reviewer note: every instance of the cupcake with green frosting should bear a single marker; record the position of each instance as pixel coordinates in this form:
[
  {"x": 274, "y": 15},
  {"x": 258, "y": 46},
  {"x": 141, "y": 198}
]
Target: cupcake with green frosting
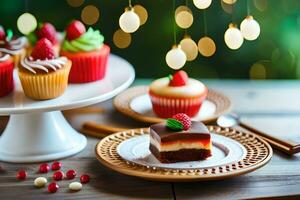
[{"x": 86, "y": 50}]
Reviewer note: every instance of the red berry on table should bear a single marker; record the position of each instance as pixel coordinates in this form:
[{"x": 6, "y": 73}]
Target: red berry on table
[
  {"x": 71, "y": 174},
  {"x": 43, "y": 50},
  {"x": 59, "y": 175},
  {"x": 180, "y": 78},
  {"x": 2, "y": 33},
  {"x": 84, "y": 178},
  {"x": 184, "y": 119},
  {"x": 53, "y": 187},
  {"x": 21, "y": 175},
  {"x": 47, "y": 30},
  {"x": 75, "y": 30},
  {"x": 44, "y": 168},
  {"x": 56, "y": 165}
]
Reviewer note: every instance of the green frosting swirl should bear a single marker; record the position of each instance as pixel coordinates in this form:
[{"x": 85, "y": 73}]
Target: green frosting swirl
[
  {"x": 89, "y": 41},
  {"x": 174, "y": 124}
]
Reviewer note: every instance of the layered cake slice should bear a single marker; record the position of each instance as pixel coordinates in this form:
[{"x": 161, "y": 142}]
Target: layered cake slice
[{"x": 178, "y": 140}]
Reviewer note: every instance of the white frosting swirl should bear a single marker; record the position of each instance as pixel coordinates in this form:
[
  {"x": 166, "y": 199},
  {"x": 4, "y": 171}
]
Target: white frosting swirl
[
  {"x": 4, "y": 57},
  {"x": 54, "y": 64},
  {"x": 14, "y": 47}
]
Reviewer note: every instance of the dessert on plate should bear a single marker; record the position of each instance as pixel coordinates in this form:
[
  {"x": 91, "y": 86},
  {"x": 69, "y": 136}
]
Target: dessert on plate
[
  {"x": 180, "y": 140},
  {"x": 177, "y": 94},
  {"x": 44, "y": 30},
  {"x": 87, "y": 52},
  {"x": 12, "y": 45},
  {"x": 6, "y": 74},
  {"x": 42, "y": 74}
]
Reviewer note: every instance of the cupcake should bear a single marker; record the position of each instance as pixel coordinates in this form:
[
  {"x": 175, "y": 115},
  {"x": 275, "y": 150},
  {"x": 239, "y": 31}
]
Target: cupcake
[
  {"x": 86, "y": 51},
  {"x": 12, "y": 45},
  {"x": 177, "y": 94},
  {"x": 6, "y": 74},
  {"x": 42, "y": 75},
  {"x": 44, "y": 30}
]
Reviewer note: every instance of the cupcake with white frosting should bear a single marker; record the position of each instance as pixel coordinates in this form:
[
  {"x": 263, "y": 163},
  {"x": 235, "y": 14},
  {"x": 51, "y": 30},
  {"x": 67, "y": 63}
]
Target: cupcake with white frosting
[
  {"x": 177, "y": 94},
  {"x": 6, "y": 74},
  {"x": 44, "y": 76}
]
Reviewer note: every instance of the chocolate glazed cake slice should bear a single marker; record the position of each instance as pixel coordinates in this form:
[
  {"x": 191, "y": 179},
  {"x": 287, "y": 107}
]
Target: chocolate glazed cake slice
[{"x": 180, "y": 140}]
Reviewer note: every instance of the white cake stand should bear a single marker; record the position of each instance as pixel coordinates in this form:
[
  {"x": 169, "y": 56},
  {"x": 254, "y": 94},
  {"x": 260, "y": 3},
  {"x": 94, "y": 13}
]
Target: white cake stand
[{"x": 37, "y": 130}]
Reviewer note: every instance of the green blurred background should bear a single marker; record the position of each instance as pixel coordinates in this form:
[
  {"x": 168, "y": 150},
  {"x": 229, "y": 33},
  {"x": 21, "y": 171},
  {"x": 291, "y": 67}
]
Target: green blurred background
[{"x": 274, "y": 55}]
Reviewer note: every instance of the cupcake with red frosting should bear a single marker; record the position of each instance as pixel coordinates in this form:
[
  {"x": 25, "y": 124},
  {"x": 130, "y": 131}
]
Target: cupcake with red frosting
[
  {"x": 87, "y": 52},
  {"x": 42, "y": 74},
  {"x": 44, "y": 30},
  {"x": 6, "y": 74},
  {"x": 177, "y": 94},
  {"x": 12, "y": 45}
]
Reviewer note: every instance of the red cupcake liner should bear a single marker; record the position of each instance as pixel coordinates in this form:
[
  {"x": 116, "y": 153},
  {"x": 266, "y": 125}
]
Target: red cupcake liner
[
  {"x": 88, "y": 66},
  {"x": 166, "y": 107},
  {"x": 6, "y": 77}
]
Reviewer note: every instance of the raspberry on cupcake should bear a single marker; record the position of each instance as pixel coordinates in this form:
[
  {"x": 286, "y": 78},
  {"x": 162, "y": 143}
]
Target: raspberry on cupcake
[
  {"x": 12, "y": 45},
  {"x": 44, "y": 30},
  {"x": 177, "y": 94},
  {"x": 86, "y": 51},
  {"x": 43, "y": 75},
  {"x": 6, "y": 73}
]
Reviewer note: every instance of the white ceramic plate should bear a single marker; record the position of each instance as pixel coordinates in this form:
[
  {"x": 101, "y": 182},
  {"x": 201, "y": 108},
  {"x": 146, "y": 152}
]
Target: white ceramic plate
[
  {"x": 142, "y": 105},
  {"x": 224, "y": 151}
]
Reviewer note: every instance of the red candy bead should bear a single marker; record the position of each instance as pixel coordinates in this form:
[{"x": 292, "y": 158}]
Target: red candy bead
[
  {"x": 21, "y": 175},
  {"x": 84, "y": 178},
  {"x": 44, "y": 168},
  {"x": 53, "y": 187},
  {"x": 56, "y": 165},
  {"x": 71, "y": 174},
  {"x": 59, "y": 175}
]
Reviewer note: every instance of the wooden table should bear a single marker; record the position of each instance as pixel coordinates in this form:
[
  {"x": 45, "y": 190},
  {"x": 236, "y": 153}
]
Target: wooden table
[{"x": 279, "y": 178}]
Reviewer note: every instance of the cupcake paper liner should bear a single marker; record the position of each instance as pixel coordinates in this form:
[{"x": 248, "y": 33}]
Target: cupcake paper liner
[
  {"x": 45, "y": 86},
  {"x": 88, "y": 66},
  {"x": 6, "y": 77},
  {"x": 166, "y": 107}
]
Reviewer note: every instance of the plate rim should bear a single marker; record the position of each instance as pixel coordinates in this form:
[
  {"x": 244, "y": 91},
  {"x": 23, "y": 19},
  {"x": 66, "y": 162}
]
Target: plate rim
[
  {"x": 123, "y": 106},
  {"x": 174, "y": 175},
  {"x": 244, "y": 153}
]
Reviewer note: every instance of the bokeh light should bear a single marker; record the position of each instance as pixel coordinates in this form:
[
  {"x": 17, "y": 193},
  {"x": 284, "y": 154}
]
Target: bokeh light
[
  {"x": 184, "y": 17},
  {"x": 229, "y": 1},
  {"x": 129, "y": 21},
  {"x": 90, "y": 14},
  {"x": 26, "y": 23},
  {"x": 121, "y": 39},
  {"x": 142, "y": 13},
  {"x": 75, "y": 3},
  {"x": 206, "y": 46},
  {"x": 258, "y": 71},
  {"x": 261, "y": 5},
  {"x": 189, "y": 47}
]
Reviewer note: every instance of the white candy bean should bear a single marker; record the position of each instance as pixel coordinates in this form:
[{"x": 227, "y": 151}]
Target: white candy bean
[
  {"x": 76, "y": 186},
  {"x": 40, "y": 182}
]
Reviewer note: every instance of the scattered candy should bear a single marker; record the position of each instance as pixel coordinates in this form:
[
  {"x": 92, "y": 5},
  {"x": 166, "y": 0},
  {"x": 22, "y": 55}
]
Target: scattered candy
[
  {"x": 84, "y": 178},
  {"x": 40, "y": 182},
  {"x": 53, "y": 187},
  {"x": 75, "y": 186},
  {"x": 71, "y": 174},
  {"x": 21, "y": 175},
  {"x": 56, "y": 165},
  {"x": 58, "y": 175},
  {"x": 44, "y": 168}
]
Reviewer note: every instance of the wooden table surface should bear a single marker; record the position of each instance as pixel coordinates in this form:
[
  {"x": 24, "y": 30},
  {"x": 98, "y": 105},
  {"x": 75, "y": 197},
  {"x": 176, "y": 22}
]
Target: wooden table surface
[{"x": 280, "y": 178}]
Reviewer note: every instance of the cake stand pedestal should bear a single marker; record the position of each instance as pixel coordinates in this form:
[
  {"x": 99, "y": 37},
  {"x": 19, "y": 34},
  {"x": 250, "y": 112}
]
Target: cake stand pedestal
[{"x": 37, "y": 131}]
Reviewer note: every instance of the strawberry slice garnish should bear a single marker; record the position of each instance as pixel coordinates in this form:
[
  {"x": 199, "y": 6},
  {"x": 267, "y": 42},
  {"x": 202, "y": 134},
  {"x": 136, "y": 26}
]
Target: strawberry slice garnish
[
  {"x": 75, "y": 30},
  {"x": 180, "y": 78},
  {"x": 43, "y": 50},
  {"x": 2, "y": 33}
]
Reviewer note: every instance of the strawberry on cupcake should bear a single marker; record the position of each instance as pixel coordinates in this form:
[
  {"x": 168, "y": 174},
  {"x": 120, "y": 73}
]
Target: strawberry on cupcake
[
  {"x": 44, "y": 30},
  {"x": 177, "y": 94},
  {"x": 43, "y": 75},
  {"x": 87, "y": 52}
]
